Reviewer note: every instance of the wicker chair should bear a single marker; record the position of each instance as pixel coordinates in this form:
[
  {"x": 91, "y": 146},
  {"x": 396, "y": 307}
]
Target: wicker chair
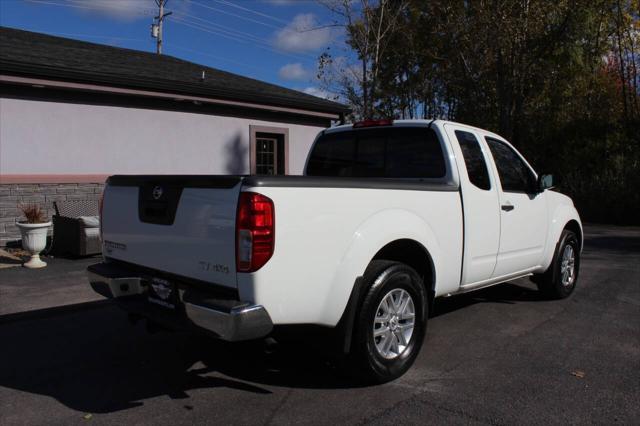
[{"x": 76, "y": 228}]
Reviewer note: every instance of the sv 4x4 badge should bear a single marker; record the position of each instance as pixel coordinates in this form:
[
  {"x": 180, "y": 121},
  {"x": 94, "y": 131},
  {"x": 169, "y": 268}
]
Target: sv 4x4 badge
[{"x": 206, "y": 266}]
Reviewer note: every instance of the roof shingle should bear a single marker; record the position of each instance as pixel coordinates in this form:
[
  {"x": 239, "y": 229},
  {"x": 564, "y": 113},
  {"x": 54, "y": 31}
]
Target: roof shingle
[{"x": 36, "y": 54}]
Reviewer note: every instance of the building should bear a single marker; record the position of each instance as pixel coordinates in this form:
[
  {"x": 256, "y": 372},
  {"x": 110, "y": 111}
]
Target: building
[{"x": 72, "y": 113}]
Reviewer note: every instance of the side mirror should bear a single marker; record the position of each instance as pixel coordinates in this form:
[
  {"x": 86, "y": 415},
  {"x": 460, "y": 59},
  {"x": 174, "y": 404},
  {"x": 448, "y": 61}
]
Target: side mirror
[{"x": 545, "y": 182}]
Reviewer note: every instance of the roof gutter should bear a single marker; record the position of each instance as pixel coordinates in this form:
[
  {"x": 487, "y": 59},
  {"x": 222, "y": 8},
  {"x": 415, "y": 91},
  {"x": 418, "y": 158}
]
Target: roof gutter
[{"x": 39, "y": 82}]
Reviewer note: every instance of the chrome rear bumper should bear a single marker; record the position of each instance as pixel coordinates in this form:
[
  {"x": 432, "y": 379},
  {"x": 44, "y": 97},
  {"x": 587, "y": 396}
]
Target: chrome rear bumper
[{"x": 230, "y": 320}]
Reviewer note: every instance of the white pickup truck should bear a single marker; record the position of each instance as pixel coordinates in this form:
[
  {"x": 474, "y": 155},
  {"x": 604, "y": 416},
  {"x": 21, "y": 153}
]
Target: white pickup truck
[{"x": 388, "y": 216}]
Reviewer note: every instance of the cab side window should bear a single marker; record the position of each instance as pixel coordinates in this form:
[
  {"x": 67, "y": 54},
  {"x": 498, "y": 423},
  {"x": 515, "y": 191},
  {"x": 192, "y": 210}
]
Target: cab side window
[
  {"x": 474, "y": 160},
  {"x": 514, "y": 174}
]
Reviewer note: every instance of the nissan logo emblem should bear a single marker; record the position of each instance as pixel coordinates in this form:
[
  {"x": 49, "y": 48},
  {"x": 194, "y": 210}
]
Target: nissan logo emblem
[{"x": 157, "y": 192}]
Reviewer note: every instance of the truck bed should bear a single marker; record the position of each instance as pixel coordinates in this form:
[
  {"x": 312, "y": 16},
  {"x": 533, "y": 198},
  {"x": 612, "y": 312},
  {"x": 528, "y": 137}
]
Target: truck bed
[{"x": 191, "y": 232}]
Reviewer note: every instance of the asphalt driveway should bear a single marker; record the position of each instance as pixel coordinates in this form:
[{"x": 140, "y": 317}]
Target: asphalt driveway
[{"x": 498, "y": 356}]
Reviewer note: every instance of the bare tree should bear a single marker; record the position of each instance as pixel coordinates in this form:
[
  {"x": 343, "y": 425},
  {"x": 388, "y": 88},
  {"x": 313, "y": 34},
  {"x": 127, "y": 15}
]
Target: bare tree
[{"x": 368, "y": 25}]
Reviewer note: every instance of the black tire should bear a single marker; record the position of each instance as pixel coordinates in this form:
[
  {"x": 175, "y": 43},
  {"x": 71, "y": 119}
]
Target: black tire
[
  {"x": 380, "y": 279},
  {"x": 550, "y": 283}
]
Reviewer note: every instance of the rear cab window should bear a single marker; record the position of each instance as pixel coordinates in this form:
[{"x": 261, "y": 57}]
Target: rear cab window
[
  {"x": 390, "y": 152},
  {"x": 474, "y": 160}
]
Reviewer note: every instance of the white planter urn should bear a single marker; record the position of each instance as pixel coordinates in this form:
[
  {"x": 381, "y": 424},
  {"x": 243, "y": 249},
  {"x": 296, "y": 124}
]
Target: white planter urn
[{"x": 34, "y": 240}]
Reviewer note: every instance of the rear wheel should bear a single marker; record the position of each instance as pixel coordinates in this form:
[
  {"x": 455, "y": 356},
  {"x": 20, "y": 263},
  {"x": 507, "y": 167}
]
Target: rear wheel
[
  {"x": 391, "y": 322},
  {"x": 559, "y": 281}
]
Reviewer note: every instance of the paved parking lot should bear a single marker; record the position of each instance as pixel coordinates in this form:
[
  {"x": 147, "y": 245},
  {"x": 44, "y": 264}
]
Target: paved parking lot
[{"x": 498, "y": 356}]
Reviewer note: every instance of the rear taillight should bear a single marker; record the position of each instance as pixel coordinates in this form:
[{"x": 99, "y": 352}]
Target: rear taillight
[{"x": 255, "y": 231}]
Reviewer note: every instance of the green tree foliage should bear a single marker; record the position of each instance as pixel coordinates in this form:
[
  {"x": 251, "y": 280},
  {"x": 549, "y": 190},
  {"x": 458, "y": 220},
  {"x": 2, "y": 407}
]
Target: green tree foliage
[{"x": 558, "y": 79}]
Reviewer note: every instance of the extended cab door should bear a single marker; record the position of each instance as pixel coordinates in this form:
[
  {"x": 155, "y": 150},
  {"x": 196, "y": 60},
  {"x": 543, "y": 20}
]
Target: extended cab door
[
  {"x": 480, "y": 203},
  {"x": 523, "y": 215}
]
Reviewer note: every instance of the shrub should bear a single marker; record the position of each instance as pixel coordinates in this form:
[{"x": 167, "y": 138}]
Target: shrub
[{"x": 33, "y": 213}]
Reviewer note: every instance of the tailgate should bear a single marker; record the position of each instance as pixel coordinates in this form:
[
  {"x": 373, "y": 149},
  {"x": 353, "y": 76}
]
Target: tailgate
[{"x": 183, "y": 225}]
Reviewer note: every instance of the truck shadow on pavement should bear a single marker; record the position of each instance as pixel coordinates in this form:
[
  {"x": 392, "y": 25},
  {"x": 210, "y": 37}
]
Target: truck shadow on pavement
[
  {"x": 510, "y": 293},
  {"x": 95, "y": 361}
]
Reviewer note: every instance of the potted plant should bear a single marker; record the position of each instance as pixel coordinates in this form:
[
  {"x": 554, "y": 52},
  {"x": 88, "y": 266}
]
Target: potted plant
[{"x": 34, "y": 233}]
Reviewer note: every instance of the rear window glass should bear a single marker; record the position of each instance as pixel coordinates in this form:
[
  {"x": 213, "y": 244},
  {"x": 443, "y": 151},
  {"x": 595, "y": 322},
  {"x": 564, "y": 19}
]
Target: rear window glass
[
  {"x": 474, "y": 160},
  {"x": 397, "y": 152}
]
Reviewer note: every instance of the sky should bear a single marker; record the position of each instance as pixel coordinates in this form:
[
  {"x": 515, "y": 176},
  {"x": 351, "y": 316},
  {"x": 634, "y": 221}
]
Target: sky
[{"x": 277, "y": 41}]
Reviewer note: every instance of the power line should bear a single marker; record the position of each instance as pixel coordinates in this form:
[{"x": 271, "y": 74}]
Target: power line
[
  {"x": 239, "y": 33},
  {"x": 171, "y": 45},
  {"x": 209, "y": 26},
  {"x": 255, "y": 21},
  {"x": 246, "y": 9},
  {"x": 220, "y": 58},
  {"x": 195, "y": 25},
  {"x": 143, "y": 11},
  {"x": 223, "y": 31},
  {"x": 237, "y": 38},
  {"x": 60, "y": 4},
  {"x": 72, "y": 4},
  {"x": 230, "y": 33}
]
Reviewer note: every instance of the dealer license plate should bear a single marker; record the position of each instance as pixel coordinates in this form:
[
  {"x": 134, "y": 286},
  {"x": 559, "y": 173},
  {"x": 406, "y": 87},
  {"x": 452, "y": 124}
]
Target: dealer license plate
[{"x": 163, "y": 293}]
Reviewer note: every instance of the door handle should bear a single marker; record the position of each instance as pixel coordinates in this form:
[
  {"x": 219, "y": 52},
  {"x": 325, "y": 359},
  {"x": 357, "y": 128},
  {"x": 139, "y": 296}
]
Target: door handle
[{"x": 508, "y": 207}]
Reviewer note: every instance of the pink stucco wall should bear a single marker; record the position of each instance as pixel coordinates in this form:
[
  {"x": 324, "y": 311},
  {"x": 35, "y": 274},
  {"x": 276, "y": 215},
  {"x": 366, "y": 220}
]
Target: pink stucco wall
[{"x": 51, "y": 138}]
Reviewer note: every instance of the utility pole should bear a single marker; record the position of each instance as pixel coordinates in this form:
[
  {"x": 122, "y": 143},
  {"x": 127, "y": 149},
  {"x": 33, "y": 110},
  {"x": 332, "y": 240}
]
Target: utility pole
[{"x": 156, "y": 27}]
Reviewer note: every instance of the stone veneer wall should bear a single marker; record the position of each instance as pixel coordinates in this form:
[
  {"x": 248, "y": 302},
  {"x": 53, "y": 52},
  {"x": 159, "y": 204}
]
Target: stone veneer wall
[{"x": 44, "y": 194}]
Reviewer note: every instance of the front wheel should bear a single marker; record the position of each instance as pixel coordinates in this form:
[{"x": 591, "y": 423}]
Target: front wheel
[
  {"x": 559, "y": 281},
  {"x": 391, "y": 323}
]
